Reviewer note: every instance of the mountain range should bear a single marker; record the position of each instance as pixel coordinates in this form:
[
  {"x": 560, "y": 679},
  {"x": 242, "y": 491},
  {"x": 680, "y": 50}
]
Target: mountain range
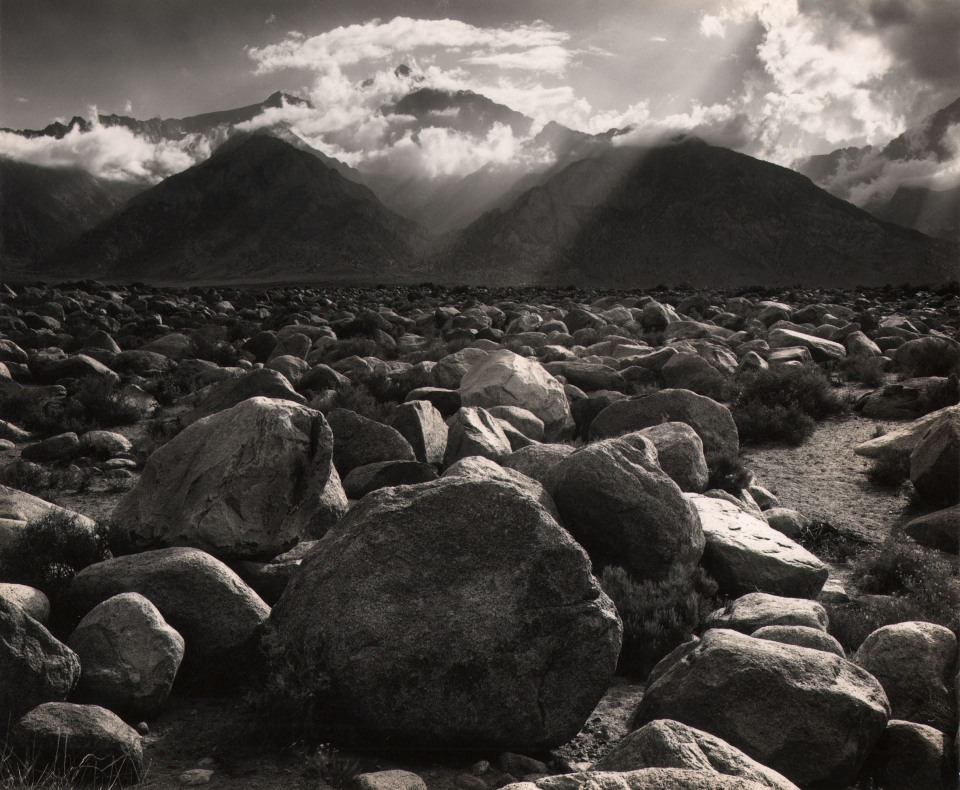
[{"x": 572, "y": 208}]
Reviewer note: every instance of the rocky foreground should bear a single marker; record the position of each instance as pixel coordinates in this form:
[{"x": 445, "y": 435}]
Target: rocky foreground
[{"x": 392, "y": 519}]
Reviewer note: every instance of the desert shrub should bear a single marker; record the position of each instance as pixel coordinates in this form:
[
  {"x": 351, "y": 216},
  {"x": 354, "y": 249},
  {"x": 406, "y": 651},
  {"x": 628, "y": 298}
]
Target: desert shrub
[
  {"x": 866, "y": 370},
  {"x": 354, "y": 346},
  {"x": 657, "y": 616},
  {"x": 921, "y": 576},
  {"x": 210, "y": 343},
  {"x": 783, "y": 403},
  {"x": 96, "y": 403},
  {"x": 830, "y": 542},
  {"x": 730, "y": 475},
  {"x": 24, "y": 476},
  {"x": 158, "y": 431},
  {"x": 930, "y": 360},
  {"x": 166, "y": 390},
  {"x": 890, "y": 470},
  {"x": 852, "y": 622},
  {"x": 360, "y": 398},
  {"x": 24, "y": 771},
  {"x": 333, "y": 767},
  {"x": 49, "y": 551}
]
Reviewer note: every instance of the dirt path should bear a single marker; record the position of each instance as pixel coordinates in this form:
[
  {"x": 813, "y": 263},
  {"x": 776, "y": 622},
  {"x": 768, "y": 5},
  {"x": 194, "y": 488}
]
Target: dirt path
[{"x": 824, "y": 479}]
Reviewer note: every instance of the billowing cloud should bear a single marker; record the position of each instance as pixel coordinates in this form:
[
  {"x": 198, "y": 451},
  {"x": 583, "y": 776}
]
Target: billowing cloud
[{"x": 111, "y": 152}]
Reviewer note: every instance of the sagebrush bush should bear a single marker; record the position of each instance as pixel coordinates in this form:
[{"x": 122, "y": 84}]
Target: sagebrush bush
[
  {"x": 830, "y": 542},
  {"x": 933, "y": 359},
  {"x": 890, "y": 470},
  {"x": 96, "y": 403},
  {"x": 362, "y": 400},
  {"x": 921, "y": 576},
  {"x": 730, "y": 475},
  {"x": 866, "y": 370},
  {"x": 49, "y": 551},
  {"x": 657, "y": 616},
  {"x": 851, "y": 623},
  {"x": 783, "y": 404}
]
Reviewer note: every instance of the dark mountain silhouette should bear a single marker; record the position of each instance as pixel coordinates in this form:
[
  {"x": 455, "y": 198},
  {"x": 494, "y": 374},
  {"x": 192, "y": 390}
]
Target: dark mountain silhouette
[
  {"x": 156, "y": 129},
  {"x": 464, "y": 111},
  {"x": 43, "y": 208},
  {"x": 874, "y": 173},
  {"x": 258, "y": 210},
  {"x": 688, "y": 212}
]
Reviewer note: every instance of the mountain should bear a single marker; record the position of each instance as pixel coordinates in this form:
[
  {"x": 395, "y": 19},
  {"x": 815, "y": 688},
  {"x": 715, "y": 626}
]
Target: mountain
[
  {"x": 464, "y": 111},
  {"x": 688, "y": 212},
  {"x": 258, "y": 210},
  {"x": 885, "y": 180},
  {"x": 43, "y": 208},
  {"x": 156, "y": 129}
]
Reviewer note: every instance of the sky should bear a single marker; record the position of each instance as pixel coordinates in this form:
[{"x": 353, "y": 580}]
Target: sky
[{"x": 779, "y": 79}]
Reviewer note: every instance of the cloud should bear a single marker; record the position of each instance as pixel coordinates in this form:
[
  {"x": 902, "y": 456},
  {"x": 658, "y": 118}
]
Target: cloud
[
  {"x": 22, "y": 100},
  {"x": 111, "y": 152},
  {"x": 128, "y": 106}
]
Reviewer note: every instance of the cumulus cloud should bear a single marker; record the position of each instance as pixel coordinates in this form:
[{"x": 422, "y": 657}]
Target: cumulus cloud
[{"x": 111, "y": 152}]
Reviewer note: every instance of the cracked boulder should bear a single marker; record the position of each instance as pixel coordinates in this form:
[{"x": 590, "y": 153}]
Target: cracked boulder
[
  {"x": 244, "y": 483},
  {"x": 455, "y": 613}
]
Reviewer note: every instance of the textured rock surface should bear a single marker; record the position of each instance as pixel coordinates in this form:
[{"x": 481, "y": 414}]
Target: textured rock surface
[
  {"x": 680, "y": 454},
  {"x": 507, "y": 379},
  {"x": 473, "y": 431},
  {"x": 624, "y": 509},
  {"x": 129, "y": 656},
  {"x": 358, "y": 441},
  {"x": 247, "y": 482},
  {"x": 32, "y": 601},
  {"x": 423, "y": 427},
  {"x": 756, "y": 610},
  {"x": 453, "y": 613},
  {"x": 745, "y": 554},
  {"x": 643, "y": 779},
  {"x": 810, "y": 715}
]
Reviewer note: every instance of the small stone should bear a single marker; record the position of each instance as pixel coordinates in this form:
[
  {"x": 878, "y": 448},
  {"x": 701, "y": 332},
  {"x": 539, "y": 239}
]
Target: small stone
[
  {"x": 389, "y": 780},
  {"x": 195, "y": 776},
  {"x": 480, "y": 767},
  {"x": 142, "y": 728},
  {"x": 470, "y": 782}
]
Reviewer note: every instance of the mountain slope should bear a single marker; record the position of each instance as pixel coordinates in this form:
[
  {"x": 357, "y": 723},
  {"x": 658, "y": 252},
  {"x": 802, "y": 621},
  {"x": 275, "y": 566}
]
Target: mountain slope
[
  {"x": 688, "y": 212},
  {"x": 258, "y": 210},
  {"x": 43, "y": 208}
]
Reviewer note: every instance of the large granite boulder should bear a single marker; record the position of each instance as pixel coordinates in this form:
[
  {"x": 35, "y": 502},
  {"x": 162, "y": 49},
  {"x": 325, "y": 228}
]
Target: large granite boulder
[
  {"x": 358, "y": 441},
  {"x": 259, "y": 383},
  {"x": 247, "y": 482},
  {"x": 507, "y": 379},
  {"x": 680, "y": 454},
  {"x": 935, "y": 462},
  {"x": 810, "y": 715},
  {"x": 625, "y": 510},
  {"x": 455, "y": 613},
  {"x": 712, "y": 421}
]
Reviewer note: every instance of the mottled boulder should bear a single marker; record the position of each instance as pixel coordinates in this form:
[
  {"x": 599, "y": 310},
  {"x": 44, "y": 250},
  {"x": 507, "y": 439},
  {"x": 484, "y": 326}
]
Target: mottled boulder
[
  {"x": 137, "y": 362},
  {"x": 745, "y": 554},
  {"x": 935, "y": 462},
  {"x": 473, "y": 431},
  {"x": 389, "y": 780},
  {"x": 129, "y": 656},
  {"x": 480, "y": 469},
  {"x": 453, "y": 613},
  {"x": 207, "y": 603},
  {"x": 711, "y": 420},
  {"x": 913, "y": 662},
  {"x": 243, "y": 483},
  {"x": 85, "y": 741},
  {"x": 538, "y": 460},
  {"x": 260, "y": 383},
  {"x": 801, "y": 636},
  {"x": 669, "y": 744},
  {"x": 810, "y": 715},
  {"x": 624, "y": 509},
  {"x": 104, "y": 444},
  {"x": 912, "y": 756},
  {"x": 901, "y": 441},
  {"x": 449, "y": 371},
  {"x": 680, "y": 454},
  {"x": 32, "y": 601},
  {"x": 903, "y": 400},
  {"x": 927, "y": 356},
  {"x": 34, "y": 666},
  {"x": 937, "y": 530},
  {"x": 50, "y": 367},
  {"x": 370, "y": 477},
  {"x": 756, "y": 610},
  {"x": 642, "y": 779},
  {"x": 821, "y": 349},
  {"x": 18, "y": 508},
  {"x": 358, "y": 441},
  {"x": 522, "y": 420},
  {"x": 507, "y": 379},
  {"x": 61, "y": 447},
  {"x": 692, "y": 372}
]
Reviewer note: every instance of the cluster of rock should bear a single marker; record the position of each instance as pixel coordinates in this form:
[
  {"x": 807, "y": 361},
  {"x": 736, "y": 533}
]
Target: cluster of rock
[{"x": 435, "y": 567}]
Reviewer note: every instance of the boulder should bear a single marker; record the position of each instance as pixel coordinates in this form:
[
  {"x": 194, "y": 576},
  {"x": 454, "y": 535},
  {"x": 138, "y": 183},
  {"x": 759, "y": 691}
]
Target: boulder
[
  {"x": 911, "y": 756},
  {"x": 129, "y": 656},
  {"x": 32, "y": 601},
  {"x": 751, "y": 612},
  {"x": 140, "y": 361},
  {"x": 711, "y": 420},
  {"x": 455, "y": 613},
  {"x": 692, "y": 372},
  {"x": 538, "y": 460},
  {"x": 61, "y": 447},
  {"x": 588, "y": 376},
  {"x": 370, "y": 477},
  {"x": 902, "y": 441},
  {"x": 810, "y": 715},
  {"x": 507, "y": 379},
  {"x": 903, "y": 400},
  {"x": 473, "y": 431},
  {"x": 522, "y": 420},
  {"x": 680, "y": 454},
  {"x": 801, "y": 636},
  {"x": 449, "y": 371},
  {"x": 358, "y": 441},
  {"x": 820, "y": 349},
  {"x": 243, "y": 483},
  {"x": 422, "y": 425},
  {"x": 445, "y": 401},
  {"x": 669, "y": 744},
  {"x": 104, "y": 444},
  {"x": 913, "y": 662},
  {"x": 34, "y": 666},
  {"x": 477, "y": 468},
  {"x": 83, "y": 741},
  {"x": 643, "y": 779},
  {"x": 745, "y": 554},
  {"x": 624, "y": 509},
  {"x": 927, "y": 356},
  {"x": 389, "y": 780},
  {"x": 937, "y": 530},
  {"x": 207, "y": 603},
  {"x": 786, "y": 521},
  {"x": 935, "y": 462},
  {"x": 259, "y": 383},
  {"x": 18, "y": 508}
]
